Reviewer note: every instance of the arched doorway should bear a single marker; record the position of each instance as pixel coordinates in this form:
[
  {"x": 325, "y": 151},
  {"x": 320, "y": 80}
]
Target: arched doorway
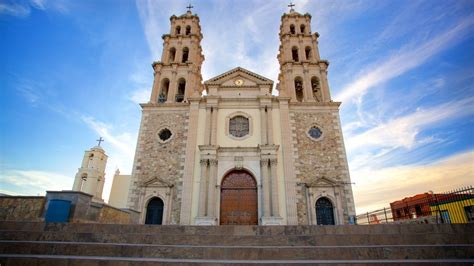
[
  {"x": 154, "y": 211},
  {"x": 324, "y": 212},
  {"x": 239, "y": 204}
]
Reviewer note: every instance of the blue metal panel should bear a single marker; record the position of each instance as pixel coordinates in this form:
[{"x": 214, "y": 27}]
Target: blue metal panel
[{"x": 58, "y": 211}]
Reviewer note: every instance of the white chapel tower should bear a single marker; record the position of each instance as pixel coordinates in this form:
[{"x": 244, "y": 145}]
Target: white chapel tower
[{"x": 90, "y": 177}]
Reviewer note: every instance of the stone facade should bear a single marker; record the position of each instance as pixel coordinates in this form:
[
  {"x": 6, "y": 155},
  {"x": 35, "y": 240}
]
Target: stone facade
[
  {"x": 158, "y": 167},
  {"x": 321, "y": 164},
  {"x": 291, "y": 145}
]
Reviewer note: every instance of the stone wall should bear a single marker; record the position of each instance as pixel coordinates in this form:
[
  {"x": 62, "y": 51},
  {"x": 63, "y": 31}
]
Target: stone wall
[
  {"x": 158, "y": 160},
  {"x": 317, "y": 161},
  {"x": 110, "y": 215},
  {"x": 21, "y": 208}
]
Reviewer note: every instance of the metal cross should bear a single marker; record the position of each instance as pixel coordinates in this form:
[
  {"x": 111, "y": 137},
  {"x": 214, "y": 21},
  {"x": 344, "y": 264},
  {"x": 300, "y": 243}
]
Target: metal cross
[
  {"x": 100, "y": 140},
  {"x": 189, "y": 7},
  {"x": 291, "y": 5}
]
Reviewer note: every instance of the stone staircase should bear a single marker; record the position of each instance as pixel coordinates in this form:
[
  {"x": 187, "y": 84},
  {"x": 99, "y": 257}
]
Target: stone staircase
[{"x": 33, "y": 243}]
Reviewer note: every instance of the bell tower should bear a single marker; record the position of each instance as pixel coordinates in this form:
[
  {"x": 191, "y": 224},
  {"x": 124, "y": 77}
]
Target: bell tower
[
  {"x": 319, "y": 165},
  {"x": 303, "y": 75},
  {"x": 90, "y": 177},
  {"x": 178, "y": 74},
  {"x": 163, "y": 165}
]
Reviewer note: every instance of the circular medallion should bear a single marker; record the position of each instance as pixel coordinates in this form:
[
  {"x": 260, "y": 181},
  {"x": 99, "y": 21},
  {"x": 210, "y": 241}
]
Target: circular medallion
[{"x": 238, "y": 82}]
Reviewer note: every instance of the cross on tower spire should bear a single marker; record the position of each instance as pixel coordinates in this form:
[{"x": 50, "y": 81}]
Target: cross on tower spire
[
  {"x": 100, "y": 140},
  {"x": 189, "y": 7},
  {"x": 291, "y": 5}
]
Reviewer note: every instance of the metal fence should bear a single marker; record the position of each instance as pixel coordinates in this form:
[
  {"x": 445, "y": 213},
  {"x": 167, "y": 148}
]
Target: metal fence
[{"x": 455, "y": 206}]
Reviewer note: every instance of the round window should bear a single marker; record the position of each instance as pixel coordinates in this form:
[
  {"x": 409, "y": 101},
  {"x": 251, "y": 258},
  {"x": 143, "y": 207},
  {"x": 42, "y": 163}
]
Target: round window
[
  {"x": 315, "y": 132},
  {"x": 239, "y": 126},
  {"x": 164, "y": 134}
]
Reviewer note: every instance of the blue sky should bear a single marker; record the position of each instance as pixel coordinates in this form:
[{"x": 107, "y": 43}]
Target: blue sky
[{"x": 71, "y": 71}]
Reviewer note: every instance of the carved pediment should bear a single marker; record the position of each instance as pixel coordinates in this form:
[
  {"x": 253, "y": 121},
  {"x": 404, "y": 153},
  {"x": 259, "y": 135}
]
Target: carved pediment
[
  {"x": 156, "y": 182},
  {"x": 247, "y": 79},
  {"x": 323, "y": 182}
]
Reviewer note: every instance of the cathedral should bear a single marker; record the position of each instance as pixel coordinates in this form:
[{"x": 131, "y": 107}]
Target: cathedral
[{"x": 227, "y": 152}]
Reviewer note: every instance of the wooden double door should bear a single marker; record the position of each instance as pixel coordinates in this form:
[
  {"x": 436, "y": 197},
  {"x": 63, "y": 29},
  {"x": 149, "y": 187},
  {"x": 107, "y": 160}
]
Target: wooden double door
[{"x": 239, "y": 202}]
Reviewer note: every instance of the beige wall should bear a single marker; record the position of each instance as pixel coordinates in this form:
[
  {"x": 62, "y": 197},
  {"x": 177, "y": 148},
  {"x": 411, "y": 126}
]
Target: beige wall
[{"x": 119, "y": 192}]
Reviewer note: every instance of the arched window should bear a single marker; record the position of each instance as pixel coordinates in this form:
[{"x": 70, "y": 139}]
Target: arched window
[
  {"x": 163, "y": 96},
  {"x": 324, "y": 212},
  {"x": 299, "y": 89},
  {"x": 172, "y": 54},
  {"x": 294, "y": 53},
  {"x": 292, "y": 29},
  {"x": 154, "y": 211},
  {"x": 178, "y": 30},
  {"x": 302, "y": 28},
  {"x": 185, "y": 55},
  {"x": 188, "y": 30},
  {"x": 307, "y": 52},
  {"x": 316, "y": 88},
  {"x": 181, "y": 90}
]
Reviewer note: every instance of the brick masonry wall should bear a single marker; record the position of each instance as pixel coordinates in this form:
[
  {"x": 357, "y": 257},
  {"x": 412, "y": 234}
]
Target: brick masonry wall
[
  {"x": 21, "y": 208},
  {"x": 316, "y": 159},
  {"x": 162, "y": 160}
]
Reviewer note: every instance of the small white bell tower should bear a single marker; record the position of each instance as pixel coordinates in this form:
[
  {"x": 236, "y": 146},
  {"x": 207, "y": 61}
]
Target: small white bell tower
[{"x": 90, "y": 177}]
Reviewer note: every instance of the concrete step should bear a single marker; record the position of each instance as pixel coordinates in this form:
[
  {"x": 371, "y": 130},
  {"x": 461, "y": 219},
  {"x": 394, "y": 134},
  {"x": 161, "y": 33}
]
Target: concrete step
[
  {"x": 58, "y": 260},
  {"x": 242, "y": 240},
  {"x": 349, "y": 252},
  {"x": 390, "y": 229}
]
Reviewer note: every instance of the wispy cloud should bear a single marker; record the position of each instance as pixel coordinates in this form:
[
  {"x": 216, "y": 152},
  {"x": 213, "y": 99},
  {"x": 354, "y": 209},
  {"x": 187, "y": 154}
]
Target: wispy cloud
[
  {"x": 33, "y": 182},
  {"x": 123, "y": 142},
  {"x": 15, "y": 9},
  {"x": 376, "y": 188},
  {"x": 403, "y": 131},
  {"x": 405, "y": 59},
  {"x": 23, "y": 8}
]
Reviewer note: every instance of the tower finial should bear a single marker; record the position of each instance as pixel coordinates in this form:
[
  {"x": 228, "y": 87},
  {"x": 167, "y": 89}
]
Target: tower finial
[
  {"x": 100, "y": 140},
  {"x": 291, "y": 5},
  {"x": 189, "y": 7}
]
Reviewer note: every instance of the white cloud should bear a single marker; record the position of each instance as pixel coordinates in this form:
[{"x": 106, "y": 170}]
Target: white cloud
[
  {"x": 34, "y": 182},
  {"x": 403, "y": 131},
  {"x": 404, "y": 60},
  {"x": 141, "y": 95},
  {"x": 376, "y": 188}
]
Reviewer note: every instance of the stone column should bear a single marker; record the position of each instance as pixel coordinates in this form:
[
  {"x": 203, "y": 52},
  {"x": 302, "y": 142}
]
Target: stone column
[
  {"x": 188, "y": 176},
  {"x": 324, "y": 81},
  {"x": 265, "y": 188},
  {"x": 263, "y": 123},
  {"x": 203, "y": 189},
  {"x": 172, "y": 89},
  {"x": 156, "y": 87},
  {"x": 274, "y": 188},
  {"x": 308, "y": 91},
  {"x": 270, "y": 125},
  {"x": 214, "y": 126},
  {"x": 288, "y": 159},
  {"x": 207, "y": 129},
  {"x": 211, "y": 203}
]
